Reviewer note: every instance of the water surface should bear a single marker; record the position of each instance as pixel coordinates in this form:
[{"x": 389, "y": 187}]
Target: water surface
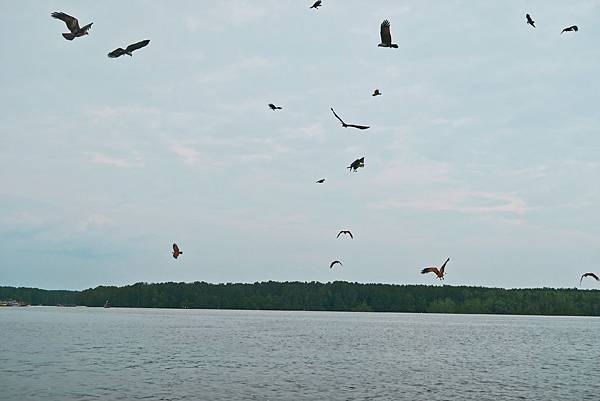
[{"x": 52, "y": 353}]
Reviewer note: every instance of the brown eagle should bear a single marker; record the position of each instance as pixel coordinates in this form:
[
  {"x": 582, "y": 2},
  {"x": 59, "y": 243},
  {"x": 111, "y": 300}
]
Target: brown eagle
[
  {"x": 129, "y": 49},
  {"x": 386, "y": 35},
  {"x": 356, "y": 164},
  {"x": 316, "y": 5},
  {"x": 72, "y": 25},
  {"x": 529, "y": 20},
  {"x": 176, "y": 251},
  {"x": 438, "y": 272}
]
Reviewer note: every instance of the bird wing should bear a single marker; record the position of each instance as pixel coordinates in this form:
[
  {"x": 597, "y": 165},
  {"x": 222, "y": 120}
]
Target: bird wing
[
  {"x": 574, "y": 28},
  {"x": 175, "y": 248},
  {"x": 271, "y": 105},
  {"x": 340, "y": 233},
  {"x": 430, "y": 270},
  {"x": 358, "y": 126},
  {"x": 116, "y": 53},
  {"x": 351, "y": 236},
  {"x": 444, "y": 265},
  {"x": 589, "y": 275},
  {"x": 138, "y": 45},
  {"x": 338, "y": 117},
  {"x": 86, "y": 27},
  {"x": 386, "y": 35},
  {"x": 72, "y": 23}
]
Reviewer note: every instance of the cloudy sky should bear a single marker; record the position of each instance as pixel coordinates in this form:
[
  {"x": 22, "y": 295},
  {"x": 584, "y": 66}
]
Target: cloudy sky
[{"x": 484, "y": 146}]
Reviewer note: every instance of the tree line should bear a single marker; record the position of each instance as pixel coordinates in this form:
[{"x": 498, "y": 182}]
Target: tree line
[{"x": 316, "y": 296}]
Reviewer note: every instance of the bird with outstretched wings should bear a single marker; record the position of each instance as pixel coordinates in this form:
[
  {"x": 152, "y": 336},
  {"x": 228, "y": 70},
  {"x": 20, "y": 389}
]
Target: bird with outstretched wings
[
  {"x": 361, "y": 127},
  {"x": 129, "y": 49},
  {"x": 72, "y": 25},
  {"x": 347, "y": 232},
  {"x": 376, "y": 92},
  {"x": 572, "y": 28},
  {"x": 356, "y": 164},
  {"x": 176, "y": 251},
  {"x": 438, "y": 272},
  {"x": 386, "y": 35},
  {"x": 316, "y": 4},
  {"x": 588, "y": 275},
  {"x": 322, "y": 180},
  {"x": 334, "y": 263},
  {"x": 273, "y": 107}
]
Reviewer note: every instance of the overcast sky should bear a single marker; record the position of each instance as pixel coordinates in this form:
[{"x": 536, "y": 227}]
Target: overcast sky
[{"x": 484, "y": 147}]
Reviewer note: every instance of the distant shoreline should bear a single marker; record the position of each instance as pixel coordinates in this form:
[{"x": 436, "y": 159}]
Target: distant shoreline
[{"x": 315, "y": 296}]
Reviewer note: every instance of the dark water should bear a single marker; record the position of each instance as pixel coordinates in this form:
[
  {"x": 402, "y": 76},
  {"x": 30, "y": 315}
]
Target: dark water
[{"x": 49, "y": 353}]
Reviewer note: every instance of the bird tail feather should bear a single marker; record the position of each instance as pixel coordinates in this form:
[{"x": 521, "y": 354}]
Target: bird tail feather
[{"x": 68, "y": 36}]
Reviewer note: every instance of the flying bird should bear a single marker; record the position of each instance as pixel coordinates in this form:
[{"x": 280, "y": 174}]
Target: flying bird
[
  {"x": 316, "y": 5},
  {"x": 588, "y": 275},
  {"x": 72, "y": 25},
  {"x": 361, "y": 127},
  {"x": 529, "y": 20},
  {"x": 273, "y": 107},
  {"x": 334, "y": 262},
  {"x": 176, "y": 251},
  {"x": 345, "y": 232},
  {"x": 134, "y": 46},
  {"x": 438, "y": 272},
  {"x": 376, "y": 93},
  {"x": 570, "y": 29},
  {"x": 386, "y": 35},
  {"x": 356, "y": 164},
  {"x": 322, "y": 180}
]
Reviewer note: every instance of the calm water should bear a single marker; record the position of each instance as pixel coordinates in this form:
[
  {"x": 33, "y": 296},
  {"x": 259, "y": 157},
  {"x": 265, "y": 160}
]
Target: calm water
[{"x": 50, "y": 353}]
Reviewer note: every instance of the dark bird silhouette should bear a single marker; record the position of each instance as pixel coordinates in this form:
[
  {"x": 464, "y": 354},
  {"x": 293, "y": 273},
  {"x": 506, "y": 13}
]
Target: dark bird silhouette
[
  {"x": 273, "y": 107},
  {"x": 356, "y": 164},
  {"x": 572, "y": 28},
  {"x": 348, "y": 125},
  {"x": 529, "y": 20},
  {"x": 345, "y": 232},
  {"x": 72, "y": 25},
  {"x": 132, "y": 47},
  {"x": 176, "y": 251},
  {"x": 438, "y": 272},
  {"x": 588, "y": 275},
  {"x": 322, "y": 180},
  {"x": 316, "y": 5},
  {"x": 386, "y": 35},
  {"x": 376, "y": 93},
  {"x": 334, "y": 262}
]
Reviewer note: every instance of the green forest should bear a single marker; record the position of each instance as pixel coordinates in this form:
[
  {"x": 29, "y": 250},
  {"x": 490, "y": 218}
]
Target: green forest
[{"x": 316, "y": 296}]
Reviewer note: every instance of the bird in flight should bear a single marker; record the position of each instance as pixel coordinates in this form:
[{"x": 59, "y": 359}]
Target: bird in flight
[
  {"x": 356, "y": 164},
  {"x": 376, "y": 93},
  {"x": 72, "y": 25},
  {"x": 529, "y": 20},
  {"x": 322, "y": 180},
  {"x": 316, "y": 5},
  {"x": 438, "y": 272},
  {"x": 572, "y": 28},
  {"x": 176, "y": 251},
  {"x": 345, "y": 232},
  {"x": 588, "y": 275},
  {"x": 361, "y": 127},
  {"x": 134, "y": 46},
  {"x": 386, "y": 35},
  {"x": 273, "y": 107},
  {"x": 334, "y": 262}
]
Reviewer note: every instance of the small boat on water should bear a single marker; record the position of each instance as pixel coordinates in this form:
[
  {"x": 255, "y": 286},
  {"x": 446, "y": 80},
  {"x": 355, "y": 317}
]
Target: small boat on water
[
  {"x": 12, "y": 302},
  {"x": 107, "y": 304}
]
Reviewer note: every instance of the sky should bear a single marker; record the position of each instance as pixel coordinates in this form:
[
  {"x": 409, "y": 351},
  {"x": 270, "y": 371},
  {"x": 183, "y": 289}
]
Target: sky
[{"x": 484, "y": 146}]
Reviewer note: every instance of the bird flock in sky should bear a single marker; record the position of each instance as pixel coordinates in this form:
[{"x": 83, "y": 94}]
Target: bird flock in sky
[{"x": 75, "y": 31}]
